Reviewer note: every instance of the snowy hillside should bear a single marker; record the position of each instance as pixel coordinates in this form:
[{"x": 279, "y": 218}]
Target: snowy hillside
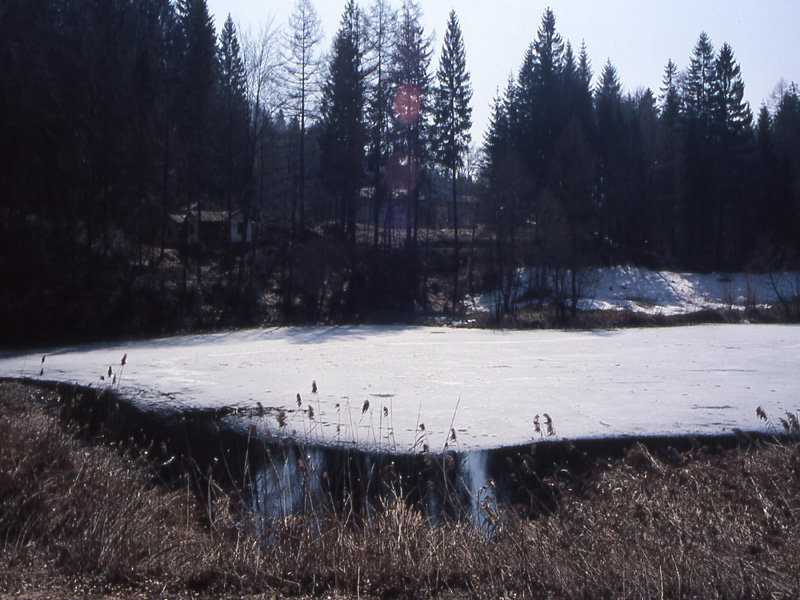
[{"x": 668, "y": 293}]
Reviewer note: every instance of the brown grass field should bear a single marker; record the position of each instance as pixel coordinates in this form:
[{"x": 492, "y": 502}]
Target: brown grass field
[{"x": 83, "y": 520}]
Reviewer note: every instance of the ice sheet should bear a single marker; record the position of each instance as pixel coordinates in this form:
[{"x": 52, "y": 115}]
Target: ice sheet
[{"x": 486, "y": 386}]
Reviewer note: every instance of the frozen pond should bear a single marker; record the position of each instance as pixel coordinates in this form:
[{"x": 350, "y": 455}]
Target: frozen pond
[{"x": 398, "y": 388}]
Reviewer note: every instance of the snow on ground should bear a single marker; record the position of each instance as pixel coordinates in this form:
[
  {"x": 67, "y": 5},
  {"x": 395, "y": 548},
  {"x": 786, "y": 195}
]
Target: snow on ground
[
  {"x": 488, "y": 386},
  {"x": 668, "y": 293}
]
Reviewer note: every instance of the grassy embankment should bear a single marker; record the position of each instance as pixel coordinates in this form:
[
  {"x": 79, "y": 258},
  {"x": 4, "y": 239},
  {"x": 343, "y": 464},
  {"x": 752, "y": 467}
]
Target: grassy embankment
[{"x": 88, "y": 521}]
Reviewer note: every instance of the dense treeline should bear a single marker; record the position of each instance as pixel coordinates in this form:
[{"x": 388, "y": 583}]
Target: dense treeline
[
  {"x": 160, "y": 175},
  {"x": 684, "y": 178}
]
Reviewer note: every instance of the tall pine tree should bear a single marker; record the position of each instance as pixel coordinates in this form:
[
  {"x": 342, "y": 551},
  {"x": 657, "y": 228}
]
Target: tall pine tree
[
  {"x": 453, "y": 120},
  {"x": 343, "y": 135},
  {"x": 733, "y": 211},
  {"x": 730, "y": 112},
  {"x": 232, "y": 82},
  {"x": 410, "y": 131},
  {"x": 698, "y": 85},
  {"x": 541, "y": 112},
  {"x": 381, "y": 24},
  {"x": 611, "y": 168}
]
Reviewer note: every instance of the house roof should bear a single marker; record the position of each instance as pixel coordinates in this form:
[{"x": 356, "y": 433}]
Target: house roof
[
  {"x": 206, "y": 216},
  {"x": 213, "y": 216}
]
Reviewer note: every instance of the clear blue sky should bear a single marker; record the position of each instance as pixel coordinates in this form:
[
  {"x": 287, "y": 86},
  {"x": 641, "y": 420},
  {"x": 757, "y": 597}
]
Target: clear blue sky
[{"x": 639, "y": 36}]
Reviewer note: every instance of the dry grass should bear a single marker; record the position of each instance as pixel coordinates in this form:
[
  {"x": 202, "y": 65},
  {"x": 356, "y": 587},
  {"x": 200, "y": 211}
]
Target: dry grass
[
  {"x": 706, "y": 526},
  {"x": 93, "y": 511},
  {"x": 725, "y": 526},
  {"x": 716, "y": 527}
]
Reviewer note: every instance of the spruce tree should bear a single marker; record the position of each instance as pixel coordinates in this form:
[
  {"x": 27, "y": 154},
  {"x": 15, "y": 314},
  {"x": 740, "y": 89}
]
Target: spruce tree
[
  {"x": 585, "y": 67},
  {"x": 410, "y": 137},
  {"x": 785, "y": 136},
  {"x": 671, "y": 165},
  {"x": 733, "y": 210},
  {"x": 231, "y": 66},
  {"x": 571, "y": 184},
  {"x": 343, "y": 136},
  {"x": 505, "y": 186},
  {"x": 232, "y": 80},
  {"x": 198, "y": 77},
  {"x": 542, "y": 114},
  {"x": 199, "y": 67},
  {"x": 381, "y": 23},
  {"x": 731, "y": 113},
  {"x": 498, "y": 138},
  {"x": 577, "y": 93},
  {"x": 155, "y": 71},
  {"x": 410, "y": 127},
  {"x": 453, "y": 119},
  {"x": 610, "y": 138},
  {"x": 570, "y": 81},
  {"x": 645, "y": 151},
  {"x": 697, "y": 91},
  {"x": 670, "y": 94},
  {"x": 526, "y": 110},
  {"x": 698, "y": 86}
]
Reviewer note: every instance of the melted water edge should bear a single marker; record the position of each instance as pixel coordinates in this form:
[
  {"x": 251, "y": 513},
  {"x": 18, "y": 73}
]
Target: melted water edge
[{"x": 281, "y": 476}]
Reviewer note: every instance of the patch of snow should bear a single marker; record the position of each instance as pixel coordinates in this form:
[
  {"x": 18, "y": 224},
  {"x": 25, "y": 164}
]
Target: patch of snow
[
  {"x": 488, "y": 386},
  {"x": 668, "y": 293}
]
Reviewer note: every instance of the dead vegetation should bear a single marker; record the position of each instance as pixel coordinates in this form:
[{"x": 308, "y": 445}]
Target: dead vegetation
[{"x": 702, "y": 525}]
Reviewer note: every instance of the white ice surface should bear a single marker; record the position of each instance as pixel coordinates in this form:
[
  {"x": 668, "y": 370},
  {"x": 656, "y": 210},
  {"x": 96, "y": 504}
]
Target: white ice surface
[{"x": 488, "y": 384}]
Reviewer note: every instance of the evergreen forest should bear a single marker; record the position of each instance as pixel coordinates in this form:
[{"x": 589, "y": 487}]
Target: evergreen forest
[{"x": 162, "y": 173}]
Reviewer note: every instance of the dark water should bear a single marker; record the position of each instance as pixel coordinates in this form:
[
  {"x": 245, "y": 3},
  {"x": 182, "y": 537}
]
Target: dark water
[{"x": 282, "y": 476}]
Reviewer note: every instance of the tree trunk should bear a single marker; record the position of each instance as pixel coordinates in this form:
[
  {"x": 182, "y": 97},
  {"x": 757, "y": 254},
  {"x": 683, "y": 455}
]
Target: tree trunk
[{"x": 455, "y": 241}]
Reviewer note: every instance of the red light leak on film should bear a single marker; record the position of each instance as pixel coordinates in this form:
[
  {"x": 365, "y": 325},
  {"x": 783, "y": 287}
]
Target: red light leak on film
[{"x": 406, "y": 104}]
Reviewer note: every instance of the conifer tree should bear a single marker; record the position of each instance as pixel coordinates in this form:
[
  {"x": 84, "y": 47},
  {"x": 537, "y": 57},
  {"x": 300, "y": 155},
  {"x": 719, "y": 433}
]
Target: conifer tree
[
  {"x": 785, "y": 136},
  {"x": 645, "y": 152},
  {"x": 381, "y": 23},
  {"x": 698, "y": 86},
  {"x": 731, "y": 113},
  {"x": 570, "y": 80},
  {"x": 697, "y": 91},
  {"x": 577, "y": 94},
  {"x": 232, "y": 81},
  {"x": 671, "y": 166},
  {"x": 198, "y": 82},
  {"x": 571, "y": 182},
  {"x": 498, "y": 138},
  {"x": 453, "y": 119},
  {"x": 733, "y": 210},
  {"x": 410, "y": 137},
  {"x": 410, "y": 128},
  {"x": 505, "y": 183},
  {"x": 155, "y": 70},
  {"x": 670, "y": 94},
  {"x": 585, "y": 67},
  {"x": 548, "y": 51},
  {"x": 199, "y": 70},
  {"x": 231, "y": 66},
  {"x": 610, "y": 136},
  {"x": 526, "y": 109},
  {"x": 541, "y": 111},
  {"x": 343, "y": 134}
]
